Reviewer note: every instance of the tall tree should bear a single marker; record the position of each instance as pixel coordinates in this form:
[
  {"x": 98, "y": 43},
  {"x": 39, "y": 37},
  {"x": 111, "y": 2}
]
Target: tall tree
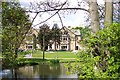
[
  {"x": 15, "y": 24},
  {"x": 44, "y": 32},
  {"x": 94, "y": 15},
  {"x": 55, "y": 34},
  {"x": 44, "y": 38},
  {"x": 34, "y": 41},
  {"x": 108, "y": 11},
  {"x": 116, "y": 11}
]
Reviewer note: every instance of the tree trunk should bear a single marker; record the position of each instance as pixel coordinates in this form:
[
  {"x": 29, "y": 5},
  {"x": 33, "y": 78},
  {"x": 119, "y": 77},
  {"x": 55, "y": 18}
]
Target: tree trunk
[
  {"x": 16, "y": 51},
  {"x": 94, "y": 15},
  {"x": 43, "y": 47},
  {"x": 34, "y": 41},
  {"x": 118, "y": 10},
  {"x": 55, "y": 42},
  {"x": 108, "y": 12}
]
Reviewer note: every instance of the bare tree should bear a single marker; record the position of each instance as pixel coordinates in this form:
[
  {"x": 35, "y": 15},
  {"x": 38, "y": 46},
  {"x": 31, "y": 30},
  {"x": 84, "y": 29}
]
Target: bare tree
[{"x": 53, "y": 8}]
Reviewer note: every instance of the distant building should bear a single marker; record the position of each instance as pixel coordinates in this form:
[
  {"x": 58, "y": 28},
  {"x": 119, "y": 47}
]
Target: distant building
[
  {"x": 27, "y": 43},
  {"x": 69, "y": 40}
]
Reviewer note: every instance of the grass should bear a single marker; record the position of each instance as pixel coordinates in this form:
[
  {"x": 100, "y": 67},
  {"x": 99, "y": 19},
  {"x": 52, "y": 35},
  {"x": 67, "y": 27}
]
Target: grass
[
  {"x": 50, "y": 54},
  {"x": 24, "y": 61},
  {"x": 50, "y": 57}
]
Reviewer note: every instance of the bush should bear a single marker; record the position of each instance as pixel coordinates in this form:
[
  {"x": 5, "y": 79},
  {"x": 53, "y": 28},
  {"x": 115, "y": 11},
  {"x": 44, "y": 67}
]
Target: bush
[
  {"x": 102, "y": 56},
  {"x": 54, "y": 61},
  {"x": 22, "y": 54}
]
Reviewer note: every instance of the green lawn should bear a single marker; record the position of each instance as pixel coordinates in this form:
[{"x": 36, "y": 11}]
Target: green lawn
[{"x": 51, "y": 54}]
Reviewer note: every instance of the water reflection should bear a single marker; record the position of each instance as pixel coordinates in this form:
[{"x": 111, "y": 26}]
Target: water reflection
[{"x": 42, "y": 71}]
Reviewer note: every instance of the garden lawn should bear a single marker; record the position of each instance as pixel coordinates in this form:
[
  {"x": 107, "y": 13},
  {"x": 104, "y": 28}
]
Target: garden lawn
[{"x": 51, "y": 54}]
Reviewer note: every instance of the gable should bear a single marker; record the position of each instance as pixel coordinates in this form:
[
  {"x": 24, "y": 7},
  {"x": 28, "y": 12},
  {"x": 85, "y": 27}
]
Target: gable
[
  {"x": 32, "y": 31},
  {"x": 71, "y": 32}
]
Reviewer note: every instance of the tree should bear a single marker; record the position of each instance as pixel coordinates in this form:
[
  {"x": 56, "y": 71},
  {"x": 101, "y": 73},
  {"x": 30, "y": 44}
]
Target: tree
[
  {"x": 44, "y": 31},
  {"x": 44, "y": 38},
  {"x": 94, "y": 15},
  {"x": 101, "y": 58},
  {"x": 85, "y": 32},
  {"x": 53, "y": 8},
  {"x": 34, "y": 41},
  {"x": 116, "y": 11},
  {"x": 58, "y": 7},
  {"x": 108, "y": 11},
  {"x": 55, "y": 34},
  {"x": 15, "y": 25}
]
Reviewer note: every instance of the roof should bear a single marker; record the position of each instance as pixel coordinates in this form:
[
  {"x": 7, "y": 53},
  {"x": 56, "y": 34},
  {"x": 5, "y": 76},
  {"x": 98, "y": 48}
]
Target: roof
[
  {"x": 76, "y": 32},
  {"x": 33, "y": 31}
]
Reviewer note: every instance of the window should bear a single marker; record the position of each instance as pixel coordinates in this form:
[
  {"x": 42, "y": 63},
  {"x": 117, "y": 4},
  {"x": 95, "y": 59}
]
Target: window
[
  {"x": 29, "y": 46},
  {"x": 65, "y": 38},
  {"x": 57, "y": 46},
  {"x": 76, "y": 47},
  {"x": 63, "y": 47},
  {"x": 51, "y": 46}
]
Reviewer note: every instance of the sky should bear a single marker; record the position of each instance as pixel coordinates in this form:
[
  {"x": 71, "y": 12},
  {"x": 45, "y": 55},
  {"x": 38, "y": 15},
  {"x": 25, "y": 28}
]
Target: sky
[{"x": 73, "y": 19}]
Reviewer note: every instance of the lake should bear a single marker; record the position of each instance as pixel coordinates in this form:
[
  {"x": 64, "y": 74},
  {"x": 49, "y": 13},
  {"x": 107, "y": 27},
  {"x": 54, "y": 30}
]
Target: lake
[{"x": 38, "y": 72}]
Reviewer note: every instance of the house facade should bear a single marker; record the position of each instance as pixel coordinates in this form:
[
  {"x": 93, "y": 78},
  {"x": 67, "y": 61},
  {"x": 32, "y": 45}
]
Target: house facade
[
  {"x": 28, "y": 42},
  {"x": 69, "y": 40}
]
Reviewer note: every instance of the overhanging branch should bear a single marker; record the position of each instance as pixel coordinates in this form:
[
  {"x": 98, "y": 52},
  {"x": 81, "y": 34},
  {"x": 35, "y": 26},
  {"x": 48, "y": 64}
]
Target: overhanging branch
[
  {"x": 35, "y": 17},
  {"x": 46, "y": 19},
  {"x": 58, "y": 9},
  {"x": 50, "y": 16}
]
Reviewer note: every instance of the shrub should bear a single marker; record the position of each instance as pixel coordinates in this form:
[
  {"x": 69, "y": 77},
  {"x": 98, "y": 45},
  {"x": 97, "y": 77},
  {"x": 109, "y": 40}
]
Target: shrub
[
  {"x": 54, "y": 61},
  {"x": 102, "y": 56}
]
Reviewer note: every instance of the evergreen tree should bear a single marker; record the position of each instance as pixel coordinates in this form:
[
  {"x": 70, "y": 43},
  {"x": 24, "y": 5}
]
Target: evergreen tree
[
  {"x": 44, "y": 32},
  {"x": 56, "y": 34}
]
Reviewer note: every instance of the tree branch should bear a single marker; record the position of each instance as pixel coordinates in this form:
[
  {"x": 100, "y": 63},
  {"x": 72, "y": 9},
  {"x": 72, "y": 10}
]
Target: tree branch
[
  {"x": 35, "y": 17},
  {"x": 59, "y": 9},
  {"x": 24, "y": 35},
  {"x": 60, "y": 19},
  {"x": 46, "y": 19},
  {"x": 50, "y": 16},
  {"x": 40, "y": 22}
]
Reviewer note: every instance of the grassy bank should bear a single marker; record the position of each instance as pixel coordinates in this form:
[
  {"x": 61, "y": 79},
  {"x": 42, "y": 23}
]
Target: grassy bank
[
  {"x": 50, "y": 57},
  {"x": 32, "y": 61},
  {"x": 49, "y": 54}
]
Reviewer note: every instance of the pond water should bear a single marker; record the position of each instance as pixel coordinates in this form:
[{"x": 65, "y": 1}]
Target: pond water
[{"x": 38, "y": 71}]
